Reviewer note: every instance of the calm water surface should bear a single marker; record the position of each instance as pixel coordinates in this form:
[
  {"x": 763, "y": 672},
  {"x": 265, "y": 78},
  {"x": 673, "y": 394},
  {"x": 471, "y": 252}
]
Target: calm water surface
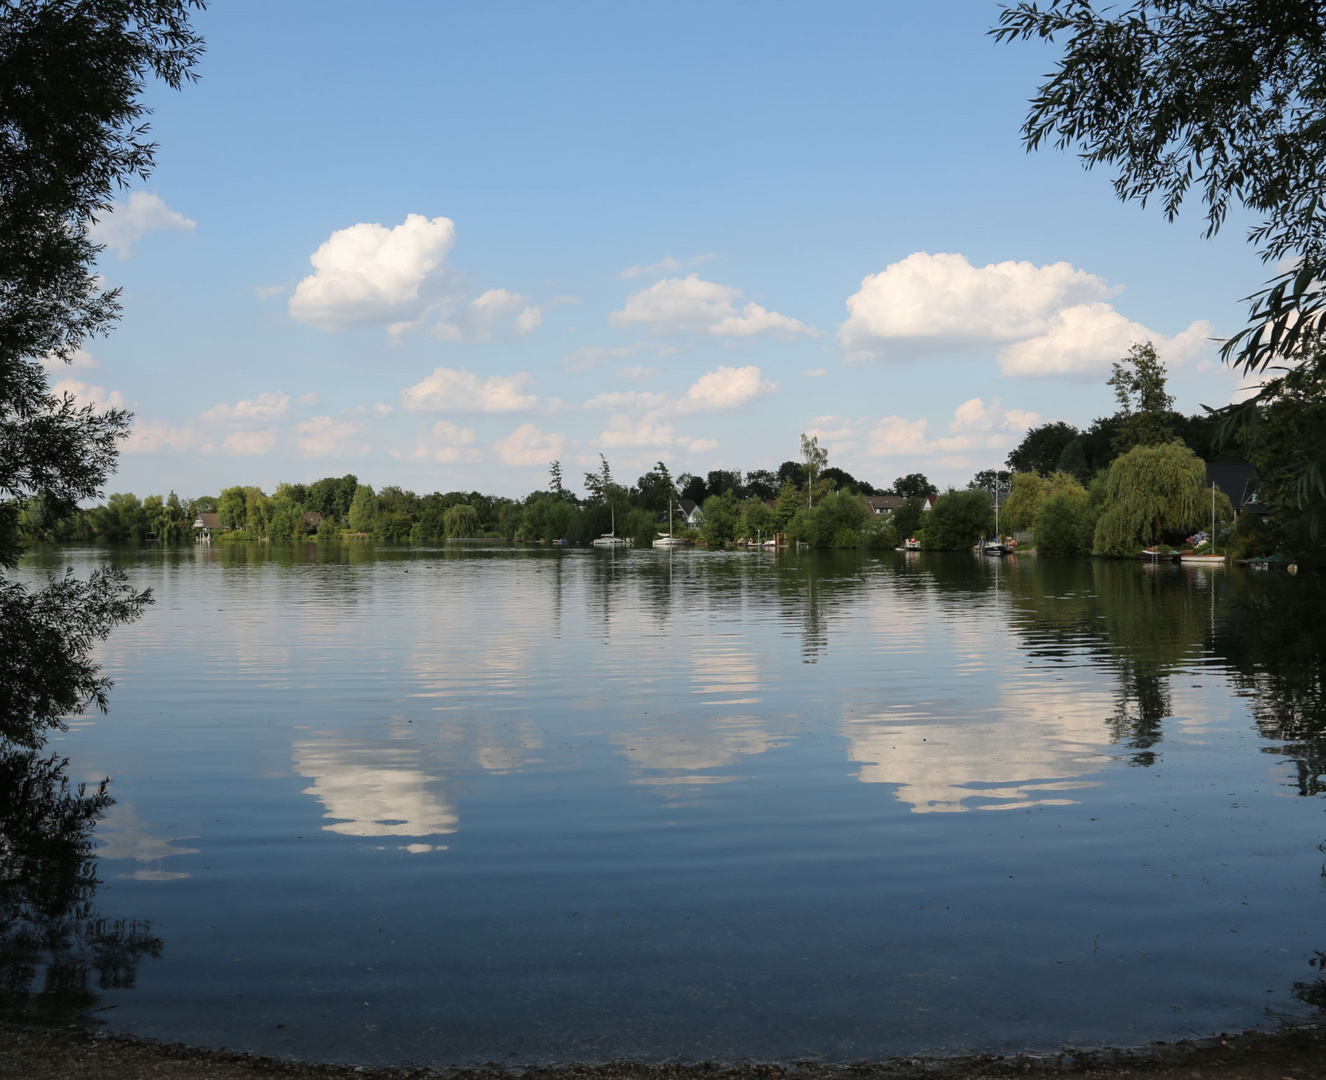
[{"x": 444, "y": 806}]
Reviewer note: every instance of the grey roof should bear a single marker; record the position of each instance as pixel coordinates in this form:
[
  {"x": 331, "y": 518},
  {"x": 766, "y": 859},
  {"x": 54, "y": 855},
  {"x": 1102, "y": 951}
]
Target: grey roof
[{"x": 1238, "y": 480}]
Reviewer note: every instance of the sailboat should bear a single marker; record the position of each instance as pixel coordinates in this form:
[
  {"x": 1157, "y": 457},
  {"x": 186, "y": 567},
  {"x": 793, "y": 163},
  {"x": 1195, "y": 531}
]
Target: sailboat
[
  {"x": 997, "y": 545},
  {"x": 610, "y": 539},
  {"x": 1213, "y": 559},
  {"x": 669, "y": 540}
]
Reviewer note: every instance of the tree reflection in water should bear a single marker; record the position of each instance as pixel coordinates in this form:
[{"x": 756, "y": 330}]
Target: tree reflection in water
[
  {"x": 1275, "y": 643},
  {"x": 53, "y": 944}
]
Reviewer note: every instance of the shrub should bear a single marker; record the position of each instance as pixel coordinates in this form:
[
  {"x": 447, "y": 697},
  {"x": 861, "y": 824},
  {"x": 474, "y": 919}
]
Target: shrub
[{"x": 958, "y": 520}]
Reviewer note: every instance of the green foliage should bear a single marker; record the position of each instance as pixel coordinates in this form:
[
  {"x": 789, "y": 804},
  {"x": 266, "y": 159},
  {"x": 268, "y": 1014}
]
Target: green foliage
[
  {"x": 1059, "y": 523},
  {"x": 329, "y": 529},
  {"x": 1286, "y": 441},
  {"x": 844, "y": 481},
  {"x": 285, "y": 519},
  {"x": 762, "y": 484},
  {"x": 814, "y": 458},
  {"x": 363, "y": 510},
  {"x": 1042, "y": 448},
  {"x": 640, "y": 526},
  {"x": 655, "y": 490},
  {"x": 547, "y": 516},
  {"x": 1150, "y": 491},
  {"x": 958, "y": 520},
  {"x": 914, "y": 485},
  {"x": 788, "y": 503},
  {"x": 1139, "y": 381},
  {"x": 836, "y": 521},
  {"x": 597, "y": 484},
  {"x": 906, "y": 520},
  {"x": 1029, "y": 493},
  {"x": 1249, "y": 537},
  {"x": 881, "y": 533},
  {"x": 461, "y": 521},
  {"x": 46, "y": 642},
  {"x": 1025, "y": 495},
  {"x": 757, "y": 520},
  {"x": 722, "y": 517}
]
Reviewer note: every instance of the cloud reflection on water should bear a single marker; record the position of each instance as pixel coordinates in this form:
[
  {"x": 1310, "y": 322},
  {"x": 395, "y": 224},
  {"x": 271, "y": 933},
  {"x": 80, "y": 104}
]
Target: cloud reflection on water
[{"x": 374, "y": 789}]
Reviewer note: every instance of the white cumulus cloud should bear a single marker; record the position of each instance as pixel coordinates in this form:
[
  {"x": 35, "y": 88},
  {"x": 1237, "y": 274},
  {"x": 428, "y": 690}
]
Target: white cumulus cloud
[
  {"x": 1053, "y": 320},
  {"x": 325, "y": 436},
  {"x": 446, "y": 443},
  {"x": 976, "y": 429},
  {"x": 447, "y": 390},
  {"x": 692, "y": 305},
  {"x": 368, "y": 274},
  {"x": 128, "y": 222},
  {"x": 726, "y": 388},
  {"x": 527, "y": 445},
  {"x": 269, "y": 406}
]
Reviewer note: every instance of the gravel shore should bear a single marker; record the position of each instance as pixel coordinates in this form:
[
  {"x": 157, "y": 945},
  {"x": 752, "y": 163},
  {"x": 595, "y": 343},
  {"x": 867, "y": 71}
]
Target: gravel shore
[{"x": 43, "y": 1053}]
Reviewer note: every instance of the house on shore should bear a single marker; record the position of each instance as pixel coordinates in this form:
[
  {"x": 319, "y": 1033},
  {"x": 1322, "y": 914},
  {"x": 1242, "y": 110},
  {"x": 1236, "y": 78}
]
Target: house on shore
[
  {"x": 206, "y": 524},
  {"x": 1238, "y": 481}
]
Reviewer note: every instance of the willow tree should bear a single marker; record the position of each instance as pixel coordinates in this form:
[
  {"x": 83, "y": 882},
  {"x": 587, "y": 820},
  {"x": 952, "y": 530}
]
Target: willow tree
[
  {"x": 1150, "y": 491},
  {"x": 461, "y": 521},
  {"x": 1029, "y": 493}
]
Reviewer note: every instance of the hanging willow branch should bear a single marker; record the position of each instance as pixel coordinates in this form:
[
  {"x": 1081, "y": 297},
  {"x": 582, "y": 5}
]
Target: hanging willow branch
[{"x": 1151, "y": 490}]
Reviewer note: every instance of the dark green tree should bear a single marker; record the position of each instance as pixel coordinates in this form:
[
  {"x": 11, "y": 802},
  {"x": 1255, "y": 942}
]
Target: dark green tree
[
  {"x": 762, "y": 484},
  {"x": 72, "y": 76},
  {"x": 722, "y": 518},
  {"x": 912, "y": 485},
  {"x": 555, "y": 484},
  {"x": 598, "y": 483},
  {"x": 958, "y": 520},
  {"x": 1146, "y": 416},
  {"x": 1042, "y": 448},
  {"x": 721, "y": 480},
  {"x": 693, "y": 488}
]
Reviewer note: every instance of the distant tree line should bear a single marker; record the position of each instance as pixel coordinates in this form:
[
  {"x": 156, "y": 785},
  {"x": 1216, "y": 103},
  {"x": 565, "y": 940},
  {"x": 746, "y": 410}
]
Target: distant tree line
[{"x": 806, "y": 500}]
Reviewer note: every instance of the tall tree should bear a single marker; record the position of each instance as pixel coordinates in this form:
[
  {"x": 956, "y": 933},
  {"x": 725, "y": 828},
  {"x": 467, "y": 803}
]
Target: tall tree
[
  {"x": 1042, "y": 448},
  {"x": 598, "y": 483},
  {"x": 71, "y": 131},
  {"x": 1145, "y": 407},
  {"x": 813, "y": 457}
]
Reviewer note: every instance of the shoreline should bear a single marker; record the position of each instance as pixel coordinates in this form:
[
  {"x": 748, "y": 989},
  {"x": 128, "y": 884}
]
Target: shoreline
[{"x": 34, "y": 1052}]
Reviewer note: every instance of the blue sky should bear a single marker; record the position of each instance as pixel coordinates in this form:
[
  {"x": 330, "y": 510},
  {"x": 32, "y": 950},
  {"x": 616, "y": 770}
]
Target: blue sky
[{"x": 438, "y": 245}]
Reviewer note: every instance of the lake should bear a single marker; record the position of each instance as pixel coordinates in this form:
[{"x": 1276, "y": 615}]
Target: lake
[{"x": 389, "y": 805}]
